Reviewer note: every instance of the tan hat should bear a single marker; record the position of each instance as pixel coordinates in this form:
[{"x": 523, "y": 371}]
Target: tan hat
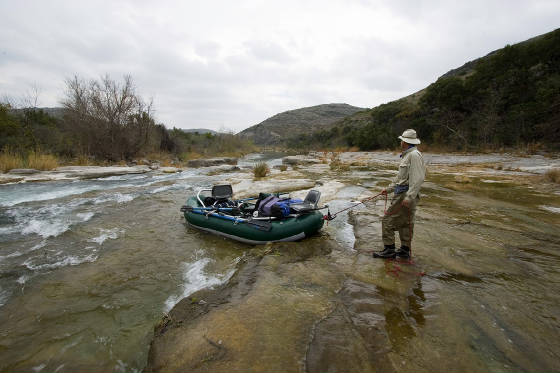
[{"x": 409, "y": 136}]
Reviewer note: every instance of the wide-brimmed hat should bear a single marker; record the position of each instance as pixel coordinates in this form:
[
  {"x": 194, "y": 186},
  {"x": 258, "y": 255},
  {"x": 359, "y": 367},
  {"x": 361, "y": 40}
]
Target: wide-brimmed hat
[{"x": 409, "y": 136}]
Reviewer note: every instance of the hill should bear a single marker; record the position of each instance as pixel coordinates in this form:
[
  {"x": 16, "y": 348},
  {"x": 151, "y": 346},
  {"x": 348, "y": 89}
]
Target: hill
[
  {"x": 198, "y": 130},
  {"x": 508, "y": 98},
  {"x": 275, "y": 130}
]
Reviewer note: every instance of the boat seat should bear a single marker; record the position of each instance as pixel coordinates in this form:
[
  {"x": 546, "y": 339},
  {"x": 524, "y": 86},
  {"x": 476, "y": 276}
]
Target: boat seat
[
  {"x": 222, "y": 192},
  {"x": 309, "y": 203}
]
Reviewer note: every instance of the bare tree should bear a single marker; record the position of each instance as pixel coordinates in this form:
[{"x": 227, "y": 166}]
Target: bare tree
[
  {"x": 114, "y": 121},
  {"x": 30, "y": 99}
]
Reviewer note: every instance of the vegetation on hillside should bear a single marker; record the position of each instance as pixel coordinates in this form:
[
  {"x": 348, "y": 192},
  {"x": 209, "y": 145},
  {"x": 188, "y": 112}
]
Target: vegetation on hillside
[
  {"x": 188, "y": 145},
  {"x": 511, "y": 98}
]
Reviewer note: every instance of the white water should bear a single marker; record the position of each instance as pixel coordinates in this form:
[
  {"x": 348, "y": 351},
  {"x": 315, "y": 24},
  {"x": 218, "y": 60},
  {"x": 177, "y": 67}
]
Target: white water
[
  {"x": 556, "y": 210},
  {"x": 106, "y": 234},
  {"x": 114, "y": 247},
  {"x": 195, "y": 279}
]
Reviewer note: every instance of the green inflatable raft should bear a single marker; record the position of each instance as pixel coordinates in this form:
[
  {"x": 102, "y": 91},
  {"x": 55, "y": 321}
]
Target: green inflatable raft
[{"x": 254, "y": 220}]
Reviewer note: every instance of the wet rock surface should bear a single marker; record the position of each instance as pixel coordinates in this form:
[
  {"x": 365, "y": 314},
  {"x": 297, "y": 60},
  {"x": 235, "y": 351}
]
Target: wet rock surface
[
  {"x": 307, "y": 307},
  {"x": 260, "y": 321}
]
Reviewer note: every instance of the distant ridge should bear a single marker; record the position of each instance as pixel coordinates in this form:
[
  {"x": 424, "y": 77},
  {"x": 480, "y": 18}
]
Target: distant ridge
[
  {"x": 198, "y": 130},
  {"x": 277, "y": 128}
]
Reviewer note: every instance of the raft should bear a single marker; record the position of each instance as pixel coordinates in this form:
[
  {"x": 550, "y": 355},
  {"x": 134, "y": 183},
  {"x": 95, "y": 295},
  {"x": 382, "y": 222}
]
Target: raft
[{"x": 244, "y": 225}]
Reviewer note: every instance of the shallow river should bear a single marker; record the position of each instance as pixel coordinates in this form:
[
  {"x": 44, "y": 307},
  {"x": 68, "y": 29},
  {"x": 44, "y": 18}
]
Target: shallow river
[{"x": 87, "y": 268}]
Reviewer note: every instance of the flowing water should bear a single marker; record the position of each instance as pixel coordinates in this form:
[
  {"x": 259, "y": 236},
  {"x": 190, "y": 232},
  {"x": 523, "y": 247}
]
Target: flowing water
[{"x": 88, "y": 267}]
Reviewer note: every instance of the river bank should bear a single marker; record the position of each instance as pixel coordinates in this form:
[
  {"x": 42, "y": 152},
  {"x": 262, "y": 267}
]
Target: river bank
[{"x": 88, "y": 267}]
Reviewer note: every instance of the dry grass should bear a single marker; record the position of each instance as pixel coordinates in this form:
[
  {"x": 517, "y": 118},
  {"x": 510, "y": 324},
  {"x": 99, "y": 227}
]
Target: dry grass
[
  {"x": 10, "y": 160},
  {"x": 337, "y": 165},
  {"x": 163, "y": 158},
  {"x": 261, "y": 169},
  {"x": 553, "y": 176},
  {"x": 40, "y": 161},
  {"x": 187, "y": 156},
  {"x": 283, "y": 167},
  {"x": 82, "y": 160}
]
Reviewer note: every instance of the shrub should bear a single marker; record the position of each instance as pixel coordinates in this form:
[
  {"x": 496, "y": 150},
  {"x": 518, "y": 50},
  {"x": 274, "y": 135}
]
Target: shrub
[
  {"x": 261, "y": 169},
  {"x": 337, "y": 165},
  {"x": 283, "y": 167}
]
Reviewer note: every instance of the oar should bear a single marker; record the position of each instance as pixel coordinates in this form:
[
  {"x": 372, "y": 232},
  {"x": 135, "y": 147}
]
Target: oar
[
  {"x": 211, "y": 208},
  {"x": 247, "y": 199},
  {"x": 192, "y": 208}
]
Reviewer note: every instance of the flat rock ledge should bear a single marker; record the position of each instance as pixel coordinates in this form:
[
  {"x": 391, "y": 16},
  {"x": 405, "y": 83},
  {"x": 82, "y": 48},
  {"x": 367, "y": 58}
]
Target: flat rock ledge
[
  {"x": 300, "y": 160},
  {"x": 69, "y": 173},
  {"x": 211, "y": 162},
  {"x": 23, "y": 171}
]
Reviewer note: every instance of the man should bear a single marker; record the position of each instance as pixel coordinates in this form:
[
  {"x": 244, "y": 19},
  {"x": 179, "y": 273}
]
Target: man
[{"x": 406, "y": 187}]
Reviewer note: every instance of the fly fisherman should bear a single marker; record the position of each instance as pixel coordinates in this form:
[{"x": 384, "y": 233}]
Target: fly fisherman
[{"x": 406, "y": 187}]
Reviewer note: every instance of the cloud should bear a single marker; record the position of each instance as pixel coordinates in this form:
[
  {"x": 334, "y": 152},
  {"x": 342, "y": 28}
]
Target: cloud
[{"x": 233, "y": 64}]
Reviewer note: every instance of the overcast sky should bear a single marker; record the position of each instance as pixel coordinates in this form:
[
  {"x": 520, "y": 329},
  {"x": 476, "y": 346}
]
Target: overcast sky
[{"x": 227, "y": 65}]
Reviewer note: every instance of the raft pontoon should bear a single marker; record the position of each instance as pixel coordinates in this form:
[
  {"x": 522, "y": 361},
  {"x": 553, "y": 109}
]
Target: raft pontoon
[{"x": 213, "y": 210}]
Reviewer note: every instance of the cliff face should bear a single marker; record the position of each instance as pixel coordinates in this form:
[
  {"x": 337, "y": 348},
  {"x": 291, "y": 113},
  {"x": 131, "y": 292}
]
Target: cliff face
[{"x": 294, "y": 122}]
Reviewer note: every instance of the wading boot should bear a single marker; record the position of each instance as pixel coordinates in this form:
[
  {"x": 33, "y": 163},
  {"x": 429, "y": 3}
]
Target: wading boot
[
  {"x": 403, "y": 252},
  {"x": 387, "y": 253}
]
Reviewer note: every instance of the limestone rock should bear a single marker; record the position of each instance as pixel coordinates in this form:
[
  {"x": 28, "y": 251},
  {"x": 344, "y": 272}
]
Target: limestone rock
[
  {"x": 211, "y": 162},
  {"x": 23, "y": 171},
  {"x": 300, "y": 160}
]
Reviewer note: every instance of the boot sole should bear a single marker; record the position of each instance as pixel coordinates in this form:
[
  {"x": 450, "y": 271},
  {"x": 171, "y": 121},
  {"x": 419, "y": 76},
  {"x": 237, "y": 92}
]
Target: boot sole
[{"x": 377, "y": 256}]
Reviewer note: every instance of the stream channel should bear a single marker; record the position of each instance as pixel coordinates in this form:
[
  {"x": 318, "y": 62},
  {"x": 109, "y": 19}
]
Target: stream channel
[{"x": 89, "y": 267}]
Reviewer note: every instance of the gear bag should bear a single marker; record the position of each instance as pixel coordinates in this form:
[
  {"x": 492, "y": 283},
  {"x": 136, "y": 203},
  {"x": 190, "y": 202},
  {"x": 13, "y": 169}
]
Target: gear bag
[{"x": 266, "y": 204}]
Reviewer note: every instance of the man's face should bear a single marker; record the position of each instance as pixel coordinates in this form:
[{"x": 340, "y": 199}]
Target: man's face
[{"x": 404, "y": 145}]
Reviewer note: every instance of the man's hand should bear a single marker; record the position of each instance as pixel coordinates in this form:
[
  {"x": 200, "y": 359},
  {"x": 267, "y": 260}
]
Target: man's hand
[
  {"x": 406, "y": 203},
  {"x": 384, "y": 192}
]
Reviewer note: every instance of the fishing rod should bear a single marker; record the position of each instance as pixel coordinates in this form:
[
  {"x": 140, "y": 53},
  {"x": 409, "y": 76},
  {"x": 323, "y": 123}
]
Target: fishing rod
[{"x": 330, "y": 216}]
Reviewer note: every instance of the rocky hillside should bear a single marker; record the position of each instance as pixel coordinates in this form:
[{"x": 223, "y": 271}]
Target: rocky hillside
[
  {"x": 275, "y": 129},
  {"x": 508, "y": 98}
]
